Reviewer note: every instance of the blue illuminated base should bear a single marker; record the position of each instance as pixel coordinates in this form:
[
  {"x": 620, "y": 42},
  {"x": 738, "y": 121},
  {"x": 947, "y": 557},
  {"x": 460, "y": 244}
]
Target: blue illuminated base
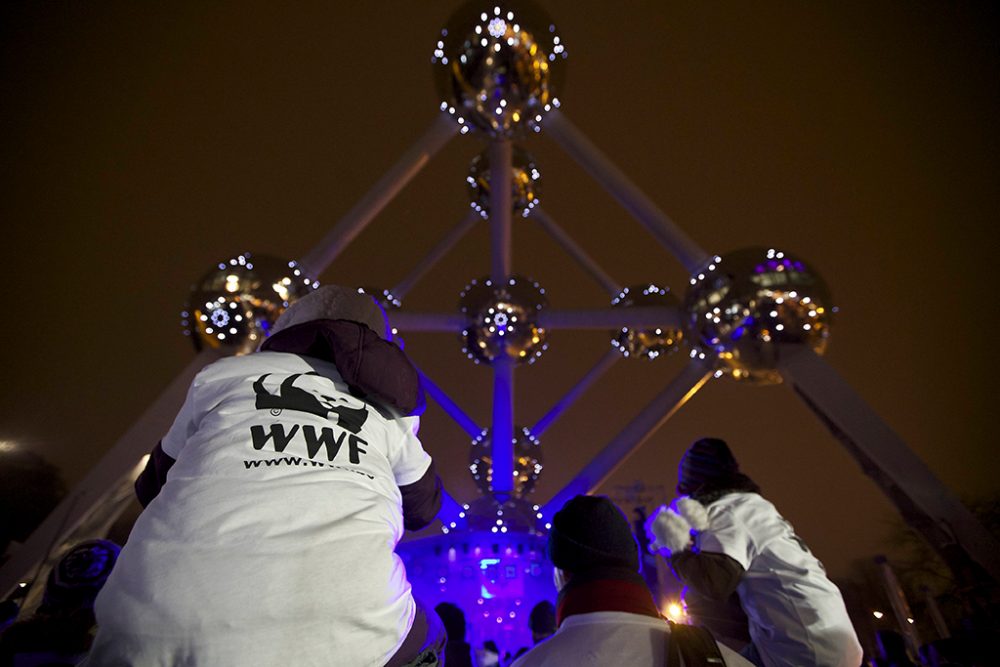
[{"x": 495, "y": 578}]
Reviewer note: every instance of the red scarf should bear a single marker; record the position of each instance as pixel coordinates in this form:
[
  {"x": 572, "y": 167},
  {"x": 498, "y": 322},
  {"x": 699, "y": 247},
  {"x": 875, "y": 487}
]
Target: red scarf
[{"x": 605, "y": 595}]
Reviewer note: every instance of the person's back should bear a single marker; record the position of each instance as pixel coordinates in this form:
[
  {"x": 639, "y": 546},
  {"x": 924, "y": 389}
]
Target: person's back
[
  {"x": 272, "y": 540},
  {"x": 611, "y": 638},
  {"x": 605, "y": 614},
  {"x": 810, "y": 626},
  {"x": 740, "y": 544}
]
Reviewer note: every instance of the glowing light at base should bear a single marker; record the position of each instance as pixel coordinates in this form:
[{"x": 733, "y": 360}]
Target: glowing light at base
[
  {"x": 674, "y": 611},
  {"x": 494, "y": 578}
]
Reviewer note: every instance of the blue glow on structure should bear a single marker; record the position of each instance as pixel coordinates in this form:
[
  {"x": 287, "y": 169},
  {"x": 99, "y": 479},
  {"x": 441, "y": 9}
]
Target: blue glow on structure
[{"x": 495, "y": 578}]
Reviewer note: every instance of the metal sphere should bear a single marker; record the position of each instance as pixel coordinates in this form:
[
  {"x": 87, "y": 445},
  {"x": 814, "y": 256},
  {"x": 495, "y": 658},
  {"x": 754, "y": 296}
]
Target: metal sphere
[
  {"x": 742, "y": 307},
  {"x": 525, "y": 182},
  {"x": 647, "y": 343},
  {"x": 503, "y": 319},
  {"x": 527, "y": 462},
  {"x": 234, "y": 305},
  {"x": 498, "y": 66}
]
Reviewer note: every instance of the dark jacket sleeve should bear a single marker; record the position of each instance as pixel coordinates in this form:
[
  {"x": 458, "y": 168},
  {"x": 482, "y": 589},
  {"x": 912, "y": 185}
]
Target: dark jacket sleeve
[
  {"x": 421, "y": 500},
  {"x": 154, "y": 475},
  {"x": 714, "y": 575}
]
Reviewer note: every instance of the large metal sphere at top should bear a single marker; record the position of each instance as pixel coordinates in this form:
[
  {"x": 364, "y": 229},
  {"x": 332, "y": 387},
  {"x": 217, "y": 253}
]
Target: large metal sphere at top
[
  {"x": 498, "y": 66},
  {"x": 235, "y": 304},
  {"x": 742, "y": 307},
  {"x": 503, "y": 320},
  {"x": 525, "y": 182}
]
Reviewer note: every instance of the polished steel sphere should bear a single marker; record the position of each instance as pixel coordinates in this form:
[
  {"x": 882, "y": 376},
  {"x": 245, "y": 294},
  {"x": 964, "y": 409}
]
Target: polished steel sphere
[
  {"x": 498, "y": 66},
  {"x": 503, "y": 319},
  {"x": 525, "y": 182},
  {"x": 527, "y": 462},
  {"x": 235, "y": 304},
  {"x": 646, "y": 343},
  {"x": 742, "y": 307}
]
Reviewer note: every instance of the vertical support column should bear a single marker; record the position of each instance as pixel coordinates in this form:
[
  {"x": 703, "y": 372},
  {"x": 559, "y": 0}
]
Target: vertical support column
[
  {"x": 502, "y": 437},
  {"x": 501, "y": 164}
]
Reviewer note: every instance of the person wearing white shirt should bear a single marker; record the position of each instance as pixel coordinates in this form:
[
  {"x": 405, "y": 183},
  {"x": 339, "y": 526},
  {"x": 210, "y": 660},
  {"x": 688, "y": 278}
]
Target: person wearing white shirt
[
  {"x": 274, "y": 503},
  {"x": 605, "y": 613},
  {"x": 724, "y": 537}
]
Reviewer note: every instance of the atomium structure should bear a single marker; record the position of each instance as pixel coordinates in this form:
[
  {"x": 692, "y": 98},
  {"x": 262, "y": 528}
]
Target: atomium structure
[{"x": 758, "y": 315}]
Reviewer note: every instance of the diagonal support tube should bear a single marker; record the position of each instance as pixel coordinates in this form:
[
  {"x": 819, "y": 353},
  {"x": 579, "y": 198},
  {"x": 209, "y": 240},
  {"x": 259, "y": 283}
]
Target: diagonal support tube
[
  {"x": 603, "y": 364},
  {"x": 450, "y": 407},
  {"x": 927, "y": 505},
  {"x": 385, "y": 189},
  {"x": 634, "y": 200},
  {"x": 652, "y": 417},
  {"x": 434, "y": 256},
  {"x": 88, "y": 501},
  {"x": 585, "y": 261}
]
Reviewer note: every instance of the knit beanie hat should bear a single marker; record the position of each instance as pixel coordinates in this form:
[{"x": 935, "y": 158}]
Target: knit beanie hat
[
  {"x": 707, "y": 460},
  {"x": 77, "y": 578},
  {"x": 591, "y": 532},
  {"x": 334, "y": 302}
]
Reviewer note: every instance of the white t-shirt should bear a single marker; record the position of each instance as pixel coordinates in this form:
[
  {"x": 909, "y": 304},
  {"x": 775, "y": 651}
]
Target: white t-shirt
[
  {"x": 272, "y": 541},
  {"x": 609, "y": 638},
  {"x": 797, "y": 615}
]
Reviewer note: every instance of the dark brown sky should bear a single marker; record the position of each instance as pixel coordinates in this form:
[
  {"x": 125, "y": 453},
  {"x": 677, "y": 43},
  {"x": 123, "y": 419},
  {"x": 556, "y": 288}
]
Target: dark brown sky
[{"x": 142, "y": 144}]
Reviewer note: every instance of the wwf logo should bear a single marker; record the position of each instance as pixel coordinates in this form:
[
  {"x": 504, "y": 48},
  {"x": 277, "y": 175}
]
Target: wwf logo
[{"x": 290, "y": 397}]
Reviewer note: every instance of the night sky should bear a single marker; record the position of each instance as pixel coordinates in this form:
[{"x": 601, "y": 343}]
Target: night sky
[{"x": 143, "y": 144}]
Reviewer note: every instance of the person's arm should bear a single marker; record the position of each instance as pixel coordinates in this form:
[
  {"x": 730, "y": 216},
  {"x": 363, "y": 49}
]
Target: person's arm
[
  {"x": 713, "y": 563},
  {"x": 164, "y": 455},
  {"x": 418, "y": 483},
  {"x": 154, "y": 475},
  {"x": 714, "y": 575},
  {"x": 421, "y": 500}
]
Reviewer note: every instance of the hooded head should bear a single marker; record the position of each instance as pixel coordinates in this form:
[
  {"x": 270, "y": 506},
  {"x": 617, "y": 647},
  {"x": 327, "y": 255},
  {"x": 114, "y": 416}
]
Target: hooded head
[
  {"x": 333, "y": 302},
  {"x": 709, "y": 467},
  {"x": 350, "y": 329},
  {"x": 77, "y": 578},
  {"x": 590, "y": 533}
]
